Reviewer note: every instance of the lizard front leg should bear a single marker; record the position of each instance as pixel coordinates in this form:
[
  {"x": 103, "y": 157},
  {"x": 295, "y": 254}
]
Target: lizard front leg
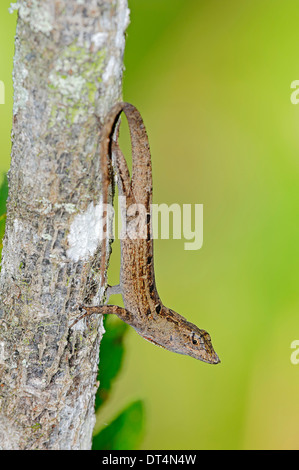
[{"x": 122, "y": 313}]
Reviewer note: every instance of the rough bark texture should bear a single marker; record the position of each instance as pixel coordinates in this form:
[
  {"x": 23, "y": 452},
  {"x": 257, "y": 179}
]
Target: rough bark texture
[{"x": 67, "y": 68}]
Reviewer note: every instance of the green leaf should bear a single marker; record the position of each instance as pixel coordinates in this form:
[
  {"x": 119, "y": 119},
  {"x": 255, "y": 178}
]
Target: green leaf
[
  {"x": 125, "y": 432},
  {"x": 3, "y": 198},
  {"x": 2, "y": 229},
  {"x": 3, "y": 194},
  {"x": 112, "y": 352}
]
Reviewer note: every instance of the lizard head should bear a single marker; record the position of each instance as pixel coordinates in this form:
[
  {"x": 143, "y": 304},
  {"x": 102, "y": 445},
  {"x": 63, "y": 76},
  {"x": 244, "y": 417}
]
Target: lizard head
[
  {"x": 192, "y": 341},
  {"x": 180, "y": 336},
  {"x": 200, "y": 346}
]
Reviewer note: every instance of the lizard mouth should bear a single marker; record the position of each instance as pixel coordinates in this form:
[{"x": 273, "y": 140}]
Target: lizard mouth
[
  {"x": 205, "y": 355},
  {"x": 213, "y": 359},
  {"x": 210, "y": 356}
]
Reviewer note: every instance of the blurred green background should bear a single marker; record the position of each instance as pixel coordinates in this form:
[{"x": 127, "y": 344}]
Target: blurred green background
[{"x": 212, "y": 80}]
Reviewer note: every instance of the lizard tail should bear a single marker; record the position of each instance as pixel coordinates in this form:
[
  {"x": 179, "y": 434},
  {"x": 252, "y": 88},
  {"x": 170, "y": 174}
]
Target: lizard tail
[{"x": 142, "y": 170}]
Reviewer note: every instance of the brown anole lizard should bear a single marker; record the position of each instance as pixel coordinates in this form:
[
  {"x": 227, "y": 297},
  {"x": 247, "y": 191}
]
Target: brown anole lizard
[{"x": 144, "y": 310}]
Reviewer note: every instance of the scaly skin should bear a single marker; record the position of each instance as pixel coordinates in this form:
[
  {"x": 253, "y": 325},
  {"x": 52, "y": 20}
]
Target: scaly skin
[{"x": 143, "y": 310}]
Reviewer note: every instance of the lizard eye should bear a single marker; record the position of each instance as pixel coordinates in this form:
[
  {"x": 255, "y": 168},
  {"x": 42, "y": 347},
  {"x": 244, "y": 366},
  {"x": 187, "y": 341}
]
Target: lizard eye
[{"x": 194, "y": 340}]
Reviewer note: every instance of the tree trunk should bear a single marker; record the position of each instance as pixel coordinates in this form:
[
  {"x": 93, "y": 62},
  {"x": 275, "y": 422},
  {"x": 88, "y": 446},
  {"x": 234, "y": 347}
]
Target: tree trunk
[{"x": 67, "y": 70}]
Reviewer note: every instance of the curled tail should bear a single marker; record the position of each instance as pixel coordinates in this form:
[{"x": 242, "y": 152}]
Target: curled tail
[{"x": 139, "y": 186}]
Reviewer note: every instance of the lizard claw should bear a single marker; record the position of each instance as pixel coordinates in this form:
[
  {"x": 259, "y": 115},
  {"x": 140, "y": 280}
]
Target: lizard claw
[{"x": 80, "y": 308}]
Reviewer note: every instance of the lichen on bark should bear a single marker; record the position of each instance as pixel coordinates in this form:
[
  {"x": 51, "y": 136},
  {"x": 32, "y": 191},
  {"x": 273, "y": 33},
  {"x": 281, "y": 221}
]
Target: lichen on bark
[{"x": 67, "y": 70}]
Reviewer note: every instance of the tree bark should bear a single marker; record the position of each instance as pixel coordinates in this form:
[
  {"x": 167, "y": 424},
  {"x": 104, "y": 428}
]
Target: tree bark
[{"x": 68, "y": 69}]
